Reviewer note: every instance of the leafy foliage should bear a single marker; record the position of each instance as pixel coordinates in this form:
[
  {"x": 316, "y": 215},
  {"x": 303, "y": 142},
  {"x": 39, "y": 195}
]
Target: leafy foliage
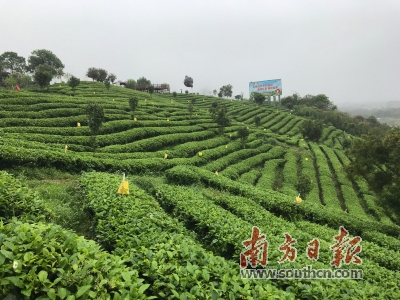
[
  {"x": 219, "y": 114},
  {"x": 312, "y": 130},
  {"x": 131, "y": 83},
  {"x": 16, "y": 200},
  {"x": 107, "y": 84},
  {"x": 42, "y": 77},
  {"x": 102, "y": 75},
  {"x": 73, "y": 82},
  {"x": 93, "y": 73},
  {"x": 243, "y": 134},
  {"x": 57, "y": 264},
  {"x": 112, "y": 77},
  {"x": 226, "y": 91},
  {"x": 12, "y": 63},
  {"x": 258, "y": 98},
  {"x": 142, "y": 81},
  {"x": 377, "y": 160},
  {"x": 43, "y": 56}
]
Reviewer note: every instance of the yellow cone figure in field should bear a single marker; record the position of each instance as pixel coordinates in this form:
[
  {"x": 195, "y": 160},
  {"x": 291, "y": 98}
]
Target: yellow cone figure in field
[
  {"x": 134, "y": 119},
  {"x": 165, "y": 155},
  {"x": 226, "y": 147},
  {"x": 216, "y": 172},
  {"x": 113, "y": 99},
  {"x": 200, "y": 153},
  {"x": 230, "y": 135},
  {"x": 65, "y": 148},
  {"x": 298, "y": 199},
  {"x": 78, "y": 124},
  {"x": 123, "y": 187},
  {"x": 306, "y": 158},
  {"x": 94, "y": 92},
  {"x": 167, "y": 120}
]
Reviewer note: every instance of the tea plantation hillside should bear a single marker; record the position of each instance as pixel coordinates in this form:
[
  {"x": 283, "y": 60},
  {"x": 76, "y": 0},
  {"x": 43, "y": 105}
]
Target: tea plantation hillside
[{"x": 195, "y": 195}]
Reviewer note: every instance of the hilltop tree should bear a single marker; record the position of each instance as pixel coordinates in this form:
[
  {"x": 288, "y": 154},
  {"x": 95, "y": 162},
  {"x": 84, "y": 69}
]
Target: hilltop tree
[
  {"x": 191, "y": 106},
  {"x": 41, "y": 57},
  {"x": 226, "y": 90},
  {"x": 151, "y": 89},
  {"x": 73, "y": 82},
  {"x": 215, "y": 92},
  {"x": 12, "y": 63},
  {"x": 220, "y": 94},
  {"x": 238, "y": 97},
  {"x": 243, "y": 134},
  {"x": 10, "y": 82},
  {"x": 107, "y": 84},
  {"x": 290, "y": 101},
  {"x": 112, "y": 77},
  {"x": 376, "y": 158},
  {"x": 93, "y": 73},
  {"x": 219, "y": 114},
  {"x": 258, "y": 98},
  {"x": 95, "y": 115},
  {"x": 43, "y": 75},
  {"x": 102, "y": 75},
  {"x": 320, "y": 101},
  {"x": 133, "y": 105},
  {"x": 142, "y": 81},
  {"x": 130, "y": 84},
  {"x": 312, "y": 129},
  {"x": 186, "y": 92},
  {"x": 174, "y": 94},
  {"x": 59, "y": 73}
]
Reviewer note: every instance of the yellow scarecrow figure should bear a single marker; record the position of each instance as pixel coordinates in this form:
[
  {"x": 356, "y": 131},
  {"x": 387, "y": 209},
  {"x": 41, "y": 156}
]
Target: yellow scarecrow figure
[
  {"x": 113, "y": 99},
  {"x": 216, "y": 172},
  {"x": 94, "y": 92},
  {"x": 65, "y": 148},
  {"x": 226, "y": 147},
  {"x": 200, "y": 153},
  {"x": 165, "y": 156},
  {"x": 298, "y": 199},
  {"x": 134, "y": 119},
  {"x": 78, "y": 124},
  {"x": 306, "y": 158},
  {"x": 230, "y": 135},
  {"x": 123, "y": 187},
  {"x": 167, "y": 120}
]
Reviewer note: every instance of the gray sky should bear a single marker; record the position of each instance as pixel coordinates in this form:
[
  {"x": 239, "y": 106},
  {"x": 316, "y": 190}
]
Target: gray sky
[{"x": 348, "y": 50}]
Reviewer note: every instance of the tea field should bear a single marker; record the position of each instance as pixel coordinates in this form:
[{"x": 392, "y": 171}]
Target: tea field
[{"x": 195, "y": 196}]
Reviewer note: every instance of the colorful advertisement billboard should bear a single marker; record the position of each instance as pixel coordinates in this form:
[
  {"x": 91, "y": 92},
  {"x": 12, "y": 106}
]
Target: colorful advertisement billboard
[{"x": 267, "y": 87}]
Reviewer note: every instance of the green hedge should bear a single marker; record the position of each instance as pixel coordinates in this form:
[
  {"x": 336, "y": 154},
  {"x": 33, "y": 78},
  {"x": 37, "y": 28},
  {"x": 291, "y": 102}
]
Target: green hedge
[
  {"x": 16, "y": 200},
  {"x": 284, "y": 205},
  {"x": 161, "y": 249},
  {"x": 44, "y": 261}
]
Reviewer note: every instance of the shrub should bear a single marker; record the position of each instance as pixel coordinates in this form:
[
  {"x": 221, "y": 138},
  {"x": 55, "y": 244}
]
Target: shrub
[
  {"x": 44, "y": 261},
  {"x": 180, "y": 175}
]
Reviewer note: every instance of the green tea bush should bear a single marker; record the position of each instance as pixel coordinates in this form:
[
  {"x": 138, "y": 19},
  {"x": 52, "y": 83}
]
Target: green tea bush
[
  {"x": 16, "y": 200},
  {"x": 44, "y": 261}
]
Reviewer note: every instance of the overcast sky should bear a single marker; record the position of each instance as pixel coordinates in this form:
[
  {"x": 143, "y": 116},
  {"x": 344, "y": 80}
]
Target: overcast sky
[{"x": 348, "y": 50}]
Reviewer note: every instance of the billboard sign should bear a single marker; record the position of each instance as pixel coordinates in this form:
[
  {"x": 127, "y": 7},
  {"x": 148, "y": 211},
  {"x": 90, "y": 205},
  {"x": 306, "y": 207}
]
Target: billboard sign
[{"x": 267, "y": 87}]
